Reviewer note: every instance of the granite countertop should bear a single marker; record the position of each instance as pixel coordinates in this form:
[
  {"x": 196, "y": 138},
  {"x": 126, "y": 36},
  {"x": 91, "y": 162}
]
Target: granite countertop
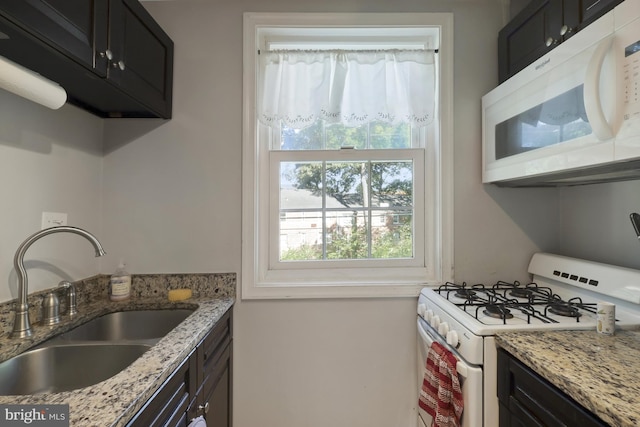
[
  {"x": 600, "y": 372},
  {"x": 115, "y": 401}
]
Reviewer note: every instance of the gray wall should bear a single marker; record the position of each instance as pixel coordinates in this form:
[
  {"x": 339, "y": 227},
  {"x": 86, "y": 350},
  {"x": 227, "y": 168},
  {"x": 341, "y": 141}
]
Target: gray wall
[
  {"x": 49, "y": 161},
  {"x": 594, "y": 223}
]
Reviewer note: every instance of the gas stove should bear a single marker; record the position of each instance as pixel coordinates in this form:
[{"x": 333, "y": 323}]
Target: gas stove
[
  {"x": 516, "y": 304},
  {"x": 562, "y": 295}
]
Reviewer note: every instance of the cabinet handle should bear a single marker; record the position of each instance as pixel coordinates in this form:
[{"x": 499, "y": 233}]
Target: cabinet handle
[
  {"x": 565, "y": 30},
  {"x": 119, "y": 64},
  {"x": 107, "y": 53},
  {"x": 551, "y": 41},
  {"x": 205, "y": 407}
]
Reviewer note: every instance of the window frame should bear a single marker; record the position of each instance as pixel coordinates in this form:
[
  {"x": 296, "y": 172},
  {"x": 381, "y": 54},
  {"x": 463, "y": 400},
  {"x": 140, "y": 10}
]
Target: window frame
[{"x": 258, "y": 279}]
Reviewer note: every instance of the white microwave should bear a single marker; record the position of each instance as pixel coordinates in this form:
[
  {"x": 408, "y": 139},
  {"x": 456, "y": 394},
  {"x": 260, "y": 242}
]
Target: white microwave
[{"x": 572, "y": 116}]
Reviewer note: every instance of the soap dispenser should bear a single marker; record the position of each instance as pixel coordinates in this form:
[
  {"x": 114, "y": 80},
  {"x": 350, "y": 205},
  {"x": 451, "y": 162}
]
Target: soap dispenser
[{"x": 120, "y": 284}]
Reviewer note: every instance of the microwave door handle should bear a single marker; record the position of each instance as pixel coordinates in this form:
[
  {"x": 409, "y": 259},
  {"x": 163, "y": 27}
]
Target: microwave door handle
[{"x": 592, "y": 104}]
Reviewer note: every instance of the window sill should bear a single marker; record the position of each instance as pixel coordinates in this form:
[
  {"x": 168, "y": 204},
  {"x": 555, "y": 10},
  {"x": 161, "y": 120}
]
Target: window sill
[{"x": 337, "y": 290}]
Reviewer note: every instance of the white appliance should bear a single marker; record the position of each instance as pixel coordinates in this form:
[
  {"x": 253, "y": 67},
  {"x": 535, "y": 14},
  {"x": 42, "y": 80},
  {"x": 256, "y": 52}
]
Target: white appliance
[
  {"x": 465, "y": 319},
  {"x": 573, "y": 116}
]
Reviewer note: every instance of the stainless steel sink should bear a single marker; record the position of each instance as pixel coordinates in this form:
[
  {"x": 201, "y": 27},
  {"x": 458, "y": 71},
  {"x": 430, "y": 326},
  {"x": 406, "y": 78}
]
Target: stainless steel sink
[
  {"x": 128, "y": 325},
  {"x": 60, "y": 368},
  {"x": 89, "y": 353}
]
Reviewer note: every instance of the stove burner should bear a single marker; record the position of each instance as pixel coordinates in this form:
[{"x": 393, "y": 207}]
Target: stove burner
[
  {"x": 498, "y": 311},
  {"x": 465, "y": 293},
  {"x": 521, "y": 293},
  {"x": 566, "y": 310}
]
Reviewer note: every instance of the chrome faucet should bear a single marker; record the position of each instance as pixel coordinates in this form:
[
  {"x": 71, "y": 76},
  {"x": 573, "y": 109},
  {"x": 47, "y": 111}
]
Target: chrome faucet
[{"x": 21, "y": 324}]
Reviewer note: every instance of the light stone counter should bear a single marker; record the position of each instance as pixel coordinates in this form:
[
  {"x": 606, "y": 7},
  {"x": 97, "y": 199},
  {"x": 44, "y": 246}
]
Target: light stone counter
[
  {"x": 600, "y": 372},
  {"x": 114, "y": 401}
]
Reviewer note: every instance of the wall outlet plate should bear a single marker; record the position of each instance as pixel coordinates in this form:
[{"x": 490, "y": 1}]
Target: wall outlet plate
[{"x": 53, "y": 219}]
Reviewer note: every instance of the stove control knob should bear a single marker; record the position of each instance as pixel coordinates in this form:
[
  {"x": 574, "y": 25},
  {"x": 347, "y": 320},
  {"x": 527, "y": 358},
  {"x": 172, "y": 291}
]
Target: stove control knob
[
  {"x": 428, "y": 315},
  {"x": 452, "y": 339},
  {"x": 421, "y": 309},
  {"x": 443, "y": 329},
  {"x": 435, "y": 322}
]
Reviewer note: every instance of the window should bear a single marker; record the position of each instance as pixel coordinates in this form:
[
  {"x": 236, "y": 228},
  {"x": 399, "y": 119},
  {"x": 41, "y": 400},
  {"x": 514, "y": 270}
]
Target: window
[{"x": 347, "y": 153}]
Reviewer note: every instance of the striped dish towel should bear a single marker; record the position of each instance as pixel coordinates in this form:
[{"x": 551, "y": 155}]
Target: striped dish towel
[{"x": 440, "y": 394}]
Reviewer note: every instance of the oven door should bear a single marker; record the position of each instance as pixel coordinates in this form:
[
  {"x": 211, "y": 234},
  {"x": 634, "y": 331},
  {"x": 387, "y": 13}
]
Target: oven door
[{"x": 470, "y": 378}]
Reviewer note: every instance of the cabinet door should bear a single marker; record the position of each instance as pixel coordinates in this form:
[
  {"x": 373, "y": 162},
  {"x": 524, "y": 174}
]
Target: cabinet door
[
  {"x": 142, "y": 61},
  {"x": 77, "y": 28},
  {"x": 525, "y": 38},
  {"x": 580, "y": 13},
  {"x": 527, "y": 399},
  {"x": 168, "y": 406},
  {"x": 214, "y": 361},
  {"x": 217, "y": 392}
]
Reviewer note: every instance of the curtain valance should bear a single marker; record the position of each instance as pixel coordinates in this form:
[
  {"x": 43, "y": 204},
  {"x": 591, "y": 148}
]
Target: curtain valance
[{"x": 299, "y": 87}]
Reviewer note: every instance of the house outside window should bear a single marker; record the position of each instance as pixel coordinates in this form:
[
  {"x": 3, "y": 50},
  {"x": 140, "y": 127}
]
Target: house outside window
[{"x": 347, "y": 153}]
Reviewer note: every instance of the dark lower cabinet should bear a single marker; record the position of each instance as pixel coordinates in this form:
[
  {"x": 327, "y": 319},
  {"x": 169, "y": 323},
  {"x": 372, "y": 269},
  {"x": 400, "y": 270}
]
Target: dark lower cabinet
[
  {"x": 541, "y": 26},
  {"x": 200, "y": 386},
  {"x": 213, "y": 398},
  {"x": 168, "y": 406},
  {"x": 528, "y": 400}
]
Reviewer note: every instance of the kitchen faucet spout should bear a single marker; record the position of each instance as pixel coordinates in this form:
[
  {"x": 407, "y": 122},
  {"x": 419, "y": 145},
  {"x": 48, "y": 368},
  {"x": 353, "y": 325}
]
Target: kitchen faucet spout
[
  {"x": 21, "y": 324},
  {"x": 635, "y": 221}
]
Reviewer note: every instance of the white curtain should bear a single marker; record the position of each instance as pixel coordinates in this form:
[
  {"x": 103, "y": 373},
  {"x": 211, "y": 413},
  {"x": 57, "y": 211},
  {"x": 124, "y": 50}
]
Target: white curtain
[{"x": 350, "y": 87}]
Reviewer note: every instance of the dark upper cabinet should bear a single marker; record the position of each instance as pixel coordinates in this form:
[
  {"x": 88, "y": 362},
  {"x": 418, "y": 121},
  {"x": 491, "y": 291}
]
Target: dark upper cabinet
[
  {"x": 141, "y": 61},
  {"x": 523, "y": 40},
  {"x": 76, "y": 28},
  {"x": 541, "y": 26},
  {"x": 112, "y": 58}
]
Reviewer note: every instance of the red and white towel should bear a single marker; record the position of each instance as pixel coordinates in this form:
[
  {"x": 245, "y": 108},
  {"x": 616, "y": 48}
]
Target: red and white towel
[{"x": 440, "y": 394}]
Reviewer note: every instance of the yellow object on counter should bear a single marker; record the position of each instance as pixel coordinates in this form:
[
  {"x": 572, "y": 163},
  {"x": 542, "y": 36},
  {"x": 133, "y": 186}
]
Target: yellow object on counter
[{"x": 179, "y": 294}]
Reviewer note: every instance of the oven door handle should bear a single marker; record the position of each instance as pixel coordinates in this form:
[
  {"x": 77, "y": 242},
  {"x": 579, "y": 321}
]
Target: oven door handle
[{"x": 428, "y": 335}]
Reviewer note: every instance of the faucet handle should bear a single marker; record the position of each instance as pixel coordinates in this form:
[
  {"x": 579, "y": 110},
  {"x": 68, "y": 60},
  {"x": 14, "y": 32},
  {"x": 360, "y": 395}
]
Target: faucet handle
[
  {"x": 72, "y": 308},
  {"x": 50, "y": 309}
]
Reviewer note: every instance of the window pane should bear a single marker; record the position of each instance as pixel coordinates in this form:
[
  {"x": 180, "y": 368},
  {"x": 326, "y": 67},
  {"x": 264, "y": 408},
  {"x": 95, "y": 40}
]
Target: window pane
[
  {"x": 384, "y": 135},
  {"x": 392, "y": 235},
  {"x": 301, "y": 185},
  {"x": 333, "y": 136},
  {"x": 392, "y": 183},
  {"x": 300, "y": 236},
  {"x": 347, "y": 235},
  {"x": 344, "y": 183},
  {"x": 339, "y": 136},
  {"x": 309, "y": 138}
]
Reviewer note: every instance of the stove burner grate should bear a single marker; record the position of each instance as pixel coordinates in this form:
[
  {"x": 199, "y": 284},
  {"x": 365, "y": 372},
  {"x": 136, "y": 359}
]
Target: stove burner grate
[
  {"x": 521, "y": 293},
  {"x": 506, "y": 301},
  {"x": 465, "y": 293},
  {"x": 497, "y": 311},
  {"x": 564, "y": 309}
]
